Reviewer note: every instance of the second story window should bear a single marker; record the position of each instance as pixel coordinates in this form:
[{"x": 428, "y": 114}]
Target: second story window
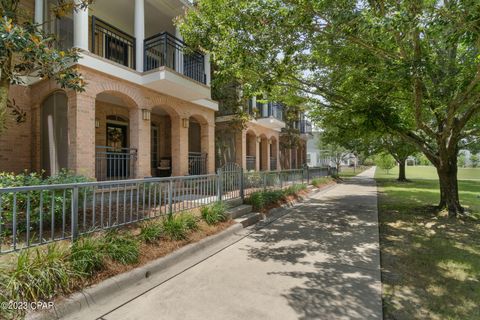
[{"x": 61, "y": 28}]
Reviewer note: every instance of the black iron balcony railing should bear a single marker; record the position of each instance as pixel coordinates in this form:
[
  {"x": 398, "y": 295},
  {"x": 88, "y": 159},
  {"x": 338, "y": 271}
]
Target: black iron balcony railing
[
  {"x": 272, "y": 109},
  {"x": 305, "y": 127},
  {"x": 166, "y": 50},
  {"x": 114, "y": 163},
  {"x": 251, "y": 163},
  {"x": 197, "y": 163},
  {"x": 112, "y": 43}
]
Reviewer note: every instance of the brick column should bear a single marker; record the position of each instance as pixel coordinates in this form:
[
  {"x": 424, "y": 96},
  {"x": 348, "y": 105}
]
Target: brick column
[
  {"x": 265, "y": 150},
  {"x": 179, "y": 147},
  {"x": 140, "y": 140},
  {"x": 257, "y": 153},
  {"x": 241, "y": 148},
  {"x": 208, "y": 145},
  {"x": 81, "y": 133},
  {"x": 277, "y": 154}
]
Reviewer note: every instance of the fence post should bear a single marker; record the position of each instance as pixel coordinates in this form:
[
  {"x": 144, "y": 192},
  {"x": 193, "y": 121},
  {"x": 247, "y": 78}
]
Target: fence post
[
  {"x": 242, "y": 191},
  {"x": 308, "y": 175},
  {"x": 74, "y": 213},
  {"x": 219, "y": 184},
  {"x": 170, "y": 196},
  {"x": 265, "y": 181}
]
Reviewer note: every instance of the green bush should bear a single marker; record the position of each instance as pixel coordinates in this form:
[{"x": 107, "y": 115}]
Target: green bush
[
  {"x": 294, "y": 189},
  {"x": 174, "y": 228},
  {"x": 123, "y": 248},
  {"x": 214, "y": 213},
  {"x": 190, "y": 221},
  {"x": 317, "y": 182},
  {"x": 257, "y": 200},
  {"x": 38, "y": 274},
  {"x": 151, "y": 231},
  {"x": 50, "y": 198},
  {"x": 87, "y": 255}
]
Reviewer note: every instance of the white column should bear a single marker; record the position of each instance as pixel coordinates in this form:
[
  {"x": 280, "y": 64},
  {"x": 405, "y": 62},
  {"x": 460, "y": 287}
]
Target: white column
[
  {"x": 139, "y": 33},
  {"x": 38, "y": 18},
  {"x": 207, "y": 69},
  {"x": 80, "y": 28}
]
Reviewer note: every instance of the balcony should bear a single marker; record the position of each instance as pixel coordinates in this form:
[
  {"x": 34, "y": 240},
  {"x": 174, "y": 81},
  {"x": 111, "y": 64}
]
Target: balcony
[
  {"x": 271, "y": 115},
  {"x": 305, "y": 127}
]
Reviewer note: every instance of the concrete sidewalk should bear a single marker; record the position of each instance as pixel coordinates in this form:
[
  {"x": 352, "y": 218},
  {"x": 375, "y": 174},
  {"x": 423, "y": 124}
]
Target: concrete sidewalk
[{"x": 319, "y": 261}]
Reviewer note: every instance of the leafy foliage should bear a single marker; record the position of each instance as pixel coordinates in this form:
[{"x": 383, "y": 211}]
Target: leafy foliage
[
  {"x": 123, "y": 248},
  {"x": 174, "y": 228},
  {"x": 87, "y": 255},
  {"x": 214, "y": 213},
  {"x": 385, "y": 161},
  {"x": 151, "y": 231},
  {"x": 190, "y": 221}
]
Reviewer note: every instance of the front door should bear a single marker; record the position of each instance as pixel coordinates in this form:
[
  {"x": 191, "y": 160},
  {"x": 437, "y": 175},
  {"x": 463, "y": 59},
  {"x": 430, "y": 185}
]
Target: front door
[{"x": 118, "y": 156}]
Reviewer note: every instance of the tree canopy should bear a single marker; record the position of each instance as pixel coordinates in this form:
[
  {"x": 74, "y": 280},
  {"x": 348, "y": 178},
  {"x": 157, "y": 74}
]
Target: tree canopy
[{"x": 410, "y": 68}]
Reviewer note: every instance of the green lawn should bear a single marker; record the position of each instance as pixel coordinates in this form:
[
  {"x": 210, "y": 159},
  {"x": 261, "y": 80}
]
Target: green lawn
[
  {"x": 430, "y": 264},
  {"x": 429, "y": 172},
  {"x": 347, "y": 172}
]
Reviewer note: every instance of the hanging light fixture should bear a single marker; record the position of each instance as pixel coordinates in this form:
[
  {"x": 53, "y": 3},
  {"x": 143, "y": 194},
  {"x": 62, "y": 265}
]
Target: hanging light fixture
[{"x": 146, "y": 115}]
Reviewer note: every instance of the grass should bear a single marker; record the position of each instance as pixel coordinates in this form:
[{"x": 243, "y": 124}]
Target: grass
[
  {"x": 214, "y": 213},
  {"x": 122, "y": 248},
  {"x": 430, "y": 263},
  {"x": 430, "y": 173},
  {"x": 174, "y": 228},
  {"x": 318, "y": 182},
  {"x": 87, "y": 255},
  {"x": 347, "y": 172}
]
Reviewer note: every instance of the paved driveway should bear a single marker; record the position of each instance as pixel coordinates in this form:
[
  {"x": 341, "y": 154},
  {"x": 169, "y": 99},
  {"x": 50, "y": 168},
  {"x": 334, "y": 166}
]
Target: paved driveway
[{"x": 318, "y": 261}]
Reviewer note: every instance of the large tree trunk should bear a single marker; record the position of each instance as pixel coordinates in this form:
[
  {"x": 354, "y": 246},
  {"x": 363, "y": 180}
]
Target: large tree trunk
[
  {"x": 401, "y": 170},
  {"x": 449, "y": 198}
]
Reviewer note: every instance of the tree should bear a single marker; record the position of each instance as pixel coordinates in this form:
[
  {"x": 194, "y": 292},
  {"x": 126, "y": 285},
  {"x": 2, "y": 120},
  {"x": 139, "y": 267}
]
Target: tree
[
  {"x": 336, "y": 152},
  {"x": 27, "y": 51},
  {"x": 408, "y": 67},
  {"x": 474, "y": 160},
  {"x": 399, "y": 150},
  {"x": 462, "y": 160},
  {"x": 385, "y": 161}
]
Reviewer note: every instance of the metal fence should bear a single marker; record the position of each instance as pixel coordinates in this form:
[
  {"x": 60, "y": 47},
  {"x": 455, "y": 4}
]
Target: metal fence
[
  {"x": 114, "y": 163},
  {"x": 36, "y": 215}
]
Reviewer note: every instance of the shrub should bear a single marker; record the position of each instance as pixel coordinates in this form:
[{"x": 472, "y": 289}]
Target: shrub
[
  {"x": 190, "y": 221},
  {"x": 317, "y": 182},
  {"x": 87, "y": 255},
  {"x": 151, "y": 231},
  {"x": 214, "y": 213},
  {"x": 257, "y": 200},
  {"x": 33, "y": 179},
  {"x": 294, "y": 189},
  {"x": 174, "y": 228},
  {"x": 123, "y": 248},
  {"x": 38, "y": 275}
]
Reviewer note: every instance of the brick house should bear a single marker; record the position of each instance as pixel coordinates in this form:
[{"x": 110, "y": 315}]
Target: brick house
[
  {"x": 259, "y": 146},
  {"x": 147, "y": 108}
]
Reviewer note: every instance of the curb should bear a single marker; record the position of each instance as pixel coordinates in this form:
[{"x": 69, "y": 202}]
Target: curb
[{"x": 110, "y": 286}]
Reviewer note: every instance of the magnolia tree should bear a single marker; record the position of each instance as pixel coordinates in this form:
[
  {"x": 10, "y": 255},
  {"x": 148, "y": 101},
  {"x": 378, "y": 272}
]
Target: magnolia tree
[
  {"x": 410, "y": 68},
  {"x": 26, "y": 51}
]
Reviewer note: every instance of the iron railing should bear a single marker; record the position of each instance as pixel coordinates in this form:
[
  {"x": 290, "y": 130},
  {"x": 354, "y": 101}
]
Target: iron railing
[
  {"x": 114, "y": 163},
  {"x": 197, "y": 163},
  {"x": 305, "y": 127},
  {"x": 37, "y": 215},
  {"x": 112, "y": 43},
  {"x": 271, "y": 110},
  {"x": 273, "y": 163},
  {"x": 164, "y": 49},
  {"x": 251, "y": 163}
]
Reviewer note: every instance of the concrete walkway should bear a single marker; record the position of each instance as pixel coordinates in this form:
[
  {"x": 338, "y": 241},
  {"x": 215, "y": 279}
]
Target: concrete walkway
[{"x": 319, "y": 261}]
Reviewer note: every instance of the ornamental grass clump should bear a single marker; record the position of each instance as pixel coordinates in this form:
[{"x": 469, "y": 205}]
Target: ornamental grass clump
[
  {"x": 122, "y": 247},
  {"x": 87, "y": 255},
  {"x": 38, "y": 274},
  {"x": 174, "y": 228},
  {"x": 190, "y": 221},
  {"x": 214, "y": 213},
  {"x": 151, "y": 231}
]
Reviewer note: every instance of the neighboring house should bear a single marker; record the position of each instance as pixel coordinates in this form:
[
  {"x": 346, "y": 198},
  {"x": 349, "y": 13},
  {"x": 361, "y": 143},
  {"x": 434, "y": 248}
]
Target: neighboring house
[
  {"x": 147, "y": 108},
  {"x": 322, "y": 158},
  {"x": 258, "y": 146}
]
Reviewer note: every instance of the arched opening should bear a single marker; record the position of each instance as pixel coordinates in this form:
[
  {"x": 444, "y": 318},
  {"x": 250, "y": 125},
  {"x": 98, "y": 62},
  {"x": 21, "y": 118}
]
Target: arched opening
[
  {"x": 251, "y": 151},
  {"x": 264, "y": 153},
  {"x": 114, "y": 159},
  {"x": 161, "y": 142},
  {"x": 54, "y": 133},
  {"x": 273, "y": 153},
  {"x": 197, "y": 153}
]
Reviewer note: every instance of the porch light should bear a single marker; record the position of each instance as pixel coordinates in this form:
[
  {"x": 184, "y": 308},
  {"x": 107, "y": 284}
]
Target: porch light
[
  {"x": 146, "y": 114},
  {"x": 185, "y": 122},
  {"x": 97, "y": 123}
]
